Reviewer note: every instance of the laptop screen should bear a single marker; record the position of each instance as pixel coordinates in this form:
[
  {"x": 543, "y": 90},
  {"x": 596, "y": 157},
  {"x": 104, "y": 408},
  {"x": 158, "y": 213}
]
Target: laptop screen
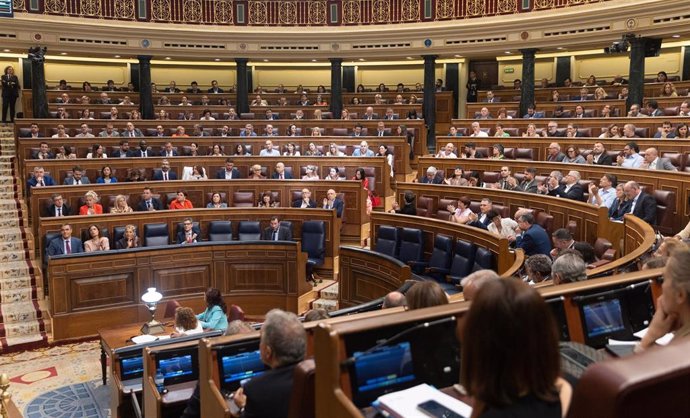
[
  {"x": 603, "y": 317},
  {"x": 177, "y": 368},
  {"x": 131, "y": 368},
  {"x": 385, "y": 367},
  {"x": 239, "y": 367}
]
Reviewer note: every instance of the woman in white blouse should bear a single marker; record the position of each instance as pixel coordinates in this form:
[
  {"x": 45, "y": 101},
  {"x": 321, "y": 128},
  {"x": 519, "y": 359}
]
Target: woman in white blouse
[
  {"x": 461, "y": 214},
  {"x": 503, "y": 227}
]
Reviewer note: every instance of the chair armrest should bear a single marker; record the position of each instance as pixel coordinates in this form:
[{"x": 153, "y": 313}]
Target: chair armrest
[
  {"x": 417, "y": 266},
  {"x": 598, "y": 263},
  {"x": 609, "y": 254},
  {"x": 438, "y": 270}
]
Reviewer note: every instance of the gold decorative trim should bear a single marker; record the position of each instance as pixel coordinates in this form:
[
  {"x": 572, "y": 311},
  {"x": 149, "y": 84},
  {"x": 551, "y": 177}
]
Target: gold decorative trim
[
  {"x": 124, "y": 9},
  {"x": 90, "y": 7},
  {"x": 257, "y": 13},
  {"x": 445, "y": 9},
  {"x": 223, "y": 11},
  {"x": 55, "y": 6},
  {"x": 191, "y": 11},
  {"x": 287, "y": 13},
  {"x": 317, "y": 13},
  {"x": 476, "y": 7},
  {"x": 409, "y": 10},
  {"x": 351, "y": 12},
  {"x": 381, "y": 11},
  {"x": 543, "y": 4}
]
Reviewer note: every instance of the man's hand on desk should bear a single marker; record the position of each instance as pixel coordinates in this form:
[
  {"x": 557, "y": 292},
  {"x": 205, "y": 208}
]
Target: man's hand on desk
[{"x": 240, "y": 399}]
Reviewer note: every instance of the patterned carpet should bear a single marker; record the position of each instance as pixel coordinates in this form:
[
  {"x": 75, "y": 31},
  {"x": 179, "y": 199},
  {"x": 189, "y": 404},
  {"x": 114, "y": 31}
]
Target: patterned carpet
[
  {"x": 22, "y": 322},
  {"x": 62, "y": 381}
]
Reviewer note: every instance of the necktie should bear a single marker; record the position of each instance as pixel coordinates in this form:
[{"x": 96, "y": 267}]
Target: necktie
[
  {"x": 380, "y": 133},
  {"x": 143, "y": 154},
  {"x": 59, "y": 211},
  {"x": 148, "y": 204},
  {"x": 165, "y": 176},
  {"x": 282, "y": 177},
  {"x": 68, "y": 247},
  {"x": 42, "y": 183},
  {"x": 78, "y": 182},
  {"x": 275, "y": 235}
]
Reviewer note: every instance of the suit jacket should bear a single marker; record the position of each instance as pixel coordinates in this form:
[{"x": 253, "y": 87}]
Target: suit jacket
[
  {"x": 528, "y": 187},
  {"x": 338, "y": 205},
  {"x": 665, "y": 164},
  {"x": 104, "y": 134},
  {"x": 298, "y": 203},
  {"x": 284, "y": 234},
  {"x": 56, "y": 246},
  {"x": 158, "y": 175},
  {"x": 136, "y": 153},
  {"x": 47, "y": 180},
  {"x": 494, "y": 100},
  {"x": 69, "y": 181},
  {"x": 51, "y": 155},
  {"x": 534, "y": 241},
  {"x": 286, "y": 175},
  {"x": 575, "y": 192},
  {"x": 137, "y": 133},
  {"x": 181, "y": 235},
  {"x": 218, "y": 90},
  {"x": 163, "y": 153},
  {"x": 116, "y": 154},
  {"x": 645, "y": 208},
  {"x": 435, "y": 180},
  {"x": 10, "y": 86},
  {"x": 220, "y": 174},
  {"x": 156, "y": 203},
  {"x": 268, "y": 395},
  {"x": 617, "y": 210},
  {"x": 604, "y": 159},
  {"x": 66, "y": 210}
]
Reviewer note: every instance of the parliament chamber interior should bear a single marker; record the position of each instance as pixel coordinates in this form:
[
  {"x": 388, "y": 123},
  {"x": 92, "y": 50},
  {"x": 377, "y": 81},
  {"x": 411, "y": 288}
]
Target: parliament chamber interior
[{"x": 345, "y": 208}]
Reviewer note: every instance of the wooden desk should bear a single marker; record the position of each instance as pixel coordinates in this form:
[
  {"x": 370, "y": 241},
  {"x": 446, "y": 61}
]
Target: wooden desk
[{"x": 88, "y": 292}]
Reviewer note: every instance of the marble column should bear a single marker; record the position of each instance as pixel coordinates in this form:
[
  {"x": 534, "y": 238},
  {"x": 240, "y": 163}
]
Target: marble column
[
  {"x": 429, "y": 104},
  {"x": 145, "y": 93},
  {"x": 242, "y": 86},
  {"x": 38, "y": 82},
  {"x": 336, "y": 87},
  {"x": 527, "y": 91},
  {"x": 636, "y": 74}
]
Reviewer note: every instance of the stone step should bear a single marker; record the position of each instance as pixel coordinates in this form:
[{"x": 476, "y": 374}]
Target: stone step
[
  {"x": 12, "y": 255},
  {"x": 330, "y": 293},
  {"x": 327, "y": 304},
  {"x": 18, "y": 295}
]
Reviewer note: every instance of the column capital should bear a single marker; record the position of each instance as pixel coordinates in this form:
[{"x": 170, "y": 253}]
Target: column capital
[
  {"x": 529, "y": 51},
  {"x": 429, "y": 57},
  {"x": 241, "y": 61},
  {"x": 336, "y": 60},
  {"x": 144, "y": 57}
]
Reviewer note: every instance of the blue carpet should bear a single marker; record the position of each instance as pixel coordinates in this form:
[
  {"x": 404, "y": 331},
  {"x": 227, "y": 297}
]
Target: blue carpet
[{"x": 83, "y": 400}]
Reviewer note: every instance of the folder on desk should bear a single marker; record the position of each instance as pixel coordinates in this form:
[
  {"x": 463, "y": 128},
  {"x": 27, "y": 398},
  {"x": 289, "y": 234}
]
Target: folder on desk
[{"x": 403, "y": 404}]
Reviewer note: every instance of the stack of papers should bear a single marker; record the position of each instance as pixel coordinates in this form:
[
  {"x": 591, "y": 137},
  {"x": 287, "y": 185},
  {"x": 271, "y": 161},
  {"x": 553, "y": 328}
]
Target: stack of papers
[
  {"x": 403, "y": 404},
  {"x": 661, "y": 341}
]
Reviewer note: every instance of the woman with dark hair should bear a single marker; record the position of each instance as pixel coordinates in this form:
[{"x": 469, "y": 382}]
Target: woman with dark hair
[
  {"x": 214, "y": 317},
  {"x": 360, "y": 88},
  {"x": 106, "y": 176},
  {"x": 409, "y": 204},
  {"x": 682, "y": 131},
  {"x": 425, "y": 294},
  {"x": 96, "y": 242},
  {"x": 181, "y": 202},
  {"x": 461, "y": 214},
  {"x": 502, "y": 374},
  {"x": 216, "y": 201},
  {"x": 86, "y": 86},
  {"x": 241, "y": 150},
  {"x": 267, "y": 201}
]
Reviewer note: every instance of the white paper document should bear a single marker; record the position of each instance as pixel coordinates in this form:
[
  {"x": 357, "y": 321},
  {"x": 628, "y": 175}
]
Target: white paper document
[
  {"x": 403, "y": 404},
  {"x": 661, "y": 341}
]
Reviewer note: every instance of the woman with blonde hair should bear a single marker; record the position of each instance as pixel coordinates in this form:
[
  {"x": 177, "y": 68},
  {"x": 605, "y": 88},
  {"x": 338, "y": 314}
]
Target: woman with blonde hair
[
  {"x": 669, "y": 90},
  {"x": 600, "y": 94},
  {"x": 129, "y": 239},
  {"x": 186, "y": 322},
  {"x": 91, "y": 205},
  {"x": 316, "y": 131},
  {"x": 311, "y": 173},
  {"x": 255, "y": 173},
  {"x": 121, "y": 205}
]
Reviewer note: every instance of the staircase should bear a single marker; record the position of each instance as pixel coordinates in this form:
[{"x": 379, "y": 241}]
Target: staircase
[
  {"x": 22, "y": 320},
  {"x": 328, "y": 298}
]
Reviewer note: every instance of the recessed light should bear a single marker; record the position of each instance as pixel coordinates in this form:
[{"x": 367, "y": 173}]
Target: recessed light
[
  {"x": 217, "y": 59},
  {"x": 560, "y": 48},
  {"x": 457, "y": 55},
  {"x": 117, "y": 56},
  {"x": 63, "y": 53},
  {"x": 409, "y": 58},
  {"x": 313, "y": 60},
  {"x": 362, "y": 59},
  {"x": 675, "y": 36},
  {"x": 167, "y": 58},
  {"x": 5, "y": 50},
  {"x": 265, "y": 60},
  {"x": 508, "y": 52}
]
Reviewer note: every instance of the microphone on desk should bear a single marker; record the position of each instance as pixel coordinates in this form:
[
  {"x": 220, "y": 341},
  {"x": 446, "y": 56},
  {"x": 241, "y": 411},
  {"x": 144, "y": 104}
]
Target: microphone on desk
[{"x": 352, "y": 359}]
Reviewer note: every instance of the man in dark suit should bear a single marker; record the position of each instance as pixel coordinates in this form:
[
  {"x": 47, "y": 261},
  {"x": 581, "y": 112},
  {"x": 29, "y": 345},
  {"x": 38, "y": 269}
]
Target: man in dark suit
[
  {"x": 431, "y": 176},
  {"x": 77, "y": 177},
  {"x": 390, "y": 115},
  {"x": 599, "y": 155},
  {"x": 229, "y": 172},
  {"x": 332, "y": 201},
  {"x": 59, "y": 207},
  {"x": 65, "y": 244},
  {"x": 40, "y": 179},
  {"x": 214, "y": 87},
  {"x": 643, "y": 205},
  {"x": 270, "y": 115},
  {"x": 306, "y": 201},
  {"x": 571, "y": 189},
  {"x": 190, "y": 233},
  {"x": 276, "y": 232},
  {"x": 280, "y": 173},
  {"x": 485, "y": 216},
  {"x": 491, "y": 98},
  {"x": 534, "y": 239},
  {"x": 43, "y": 152},
  {"x": 172, "y": 88},
  {"x": 168, "y": 150},
  {"x": 142, "y": 152},
  {"x": 165, "y": 173},
  {"x": 122, "y": 151},
  {"x": 148, "y": 202},
  {"x": 283, "y": 344}
]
